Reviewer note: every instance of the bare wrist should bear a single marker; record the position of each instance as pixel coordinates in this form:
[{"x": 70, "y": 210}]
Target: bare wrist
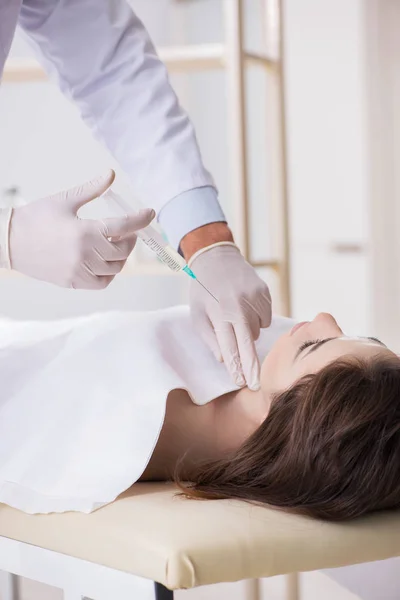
[{"x": 205, "y": 236}]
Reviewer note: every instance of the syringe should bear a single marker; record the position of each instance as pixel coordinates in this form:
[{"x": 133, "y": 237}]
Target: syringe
[{"x": 155, "y": 241}]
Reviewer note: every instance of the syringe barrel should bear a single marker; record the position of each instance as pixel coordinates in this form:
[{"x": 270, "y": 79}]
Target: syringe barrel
[
  {"x": 155, "y": 241},
  {"x": 150, "y": 235}
]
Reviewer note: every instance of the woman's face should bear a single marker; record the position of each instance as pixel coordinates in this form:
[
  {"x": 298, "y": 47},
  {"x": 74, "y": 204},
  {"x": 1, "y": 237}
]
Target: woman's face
[{"x": 309, "y": 347}]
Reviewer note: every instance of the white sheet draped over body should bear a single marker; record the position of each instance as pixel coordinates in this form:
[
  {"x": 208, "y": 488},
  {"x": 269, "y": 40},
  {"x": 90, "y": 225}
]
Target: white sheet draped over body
[{"x": 83, "y": 401}]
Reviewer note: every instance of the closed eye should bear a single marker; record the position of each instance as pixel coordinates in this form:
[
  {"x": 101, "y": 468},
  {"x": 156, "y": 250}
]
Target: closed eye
[
  {"x": 374, "y": 339},
  {"x": 313, "y": 344},
  {"x": 306, "y": 344}
]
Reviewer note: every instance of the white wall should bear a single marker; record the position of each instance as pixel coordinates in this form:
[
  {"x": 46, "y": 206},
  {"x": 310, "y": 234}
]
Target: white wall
[{"x": 383, "y": 20}]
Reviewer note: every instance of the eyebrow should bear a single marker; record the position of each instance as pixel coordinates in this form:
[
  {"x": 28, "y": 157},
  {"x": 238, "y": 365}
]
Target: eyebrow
[{"x": 317, "y": 345}]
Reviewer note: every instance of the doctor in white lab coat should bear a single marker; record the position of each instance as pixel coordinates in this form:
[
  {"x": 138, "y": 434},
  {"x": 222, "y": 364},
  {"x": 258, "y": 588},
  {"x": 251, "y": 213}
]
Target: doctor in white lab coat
[{"x": 104, "y": 61}]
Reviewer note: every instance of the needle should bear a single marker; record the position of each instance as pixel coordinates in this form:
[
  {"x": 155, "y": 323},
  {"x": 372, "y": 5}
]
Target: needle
[{"x": 207, "y": 290}]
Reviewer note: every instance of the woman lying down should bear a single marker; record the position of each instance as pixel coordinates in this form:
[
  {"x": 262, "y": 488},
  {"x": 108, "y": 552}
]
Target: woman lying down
[{"x": 91, "y": 405}]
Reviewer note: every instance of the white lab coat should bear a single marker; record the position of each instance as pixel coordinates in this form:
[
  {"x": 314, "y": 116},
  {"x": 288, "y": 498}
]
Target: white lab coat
[{"x": 103, "y": 59}]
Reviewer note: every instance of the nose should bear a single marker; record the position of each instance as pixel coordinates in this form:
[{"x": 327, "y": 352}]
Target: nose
[
  {"x": 327, "y": 319},
  {"x": 323, "y": 316}
]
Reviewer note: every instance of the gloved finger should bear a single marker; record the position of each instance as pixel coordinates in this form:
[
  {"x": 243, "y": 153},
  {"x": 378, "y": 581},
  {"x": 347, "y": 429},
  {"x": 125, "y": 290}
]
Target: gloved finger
[
  {"x": 253, "y": 321},
  {"x": 102, "y": 282},
  {"x": 77, "y": 196},
  {"x": 120, "y": 227},
  {"x": 248, "y": 355},
  {"x": 230, "y": 353},
  {"x": 112, "y": 267},
  {"x": 265, "y": 308},
  {"x": 206, "y": 330},
  {"x": 92, "y": 283},
  {"x": 112, "y": 250}
]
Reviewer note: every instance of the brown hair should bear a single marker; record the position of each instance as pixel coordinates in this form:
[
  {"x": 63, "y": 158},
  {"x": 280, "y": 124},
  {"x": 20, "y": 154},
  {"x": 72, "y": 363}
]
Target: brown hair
[{"x": 329, "y": 448}]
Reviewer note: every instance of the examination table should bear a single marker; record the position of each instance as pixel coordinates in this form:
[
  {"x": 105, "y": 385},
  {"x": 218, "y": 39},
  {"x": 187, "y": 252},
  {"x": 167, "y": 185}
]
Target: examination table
[{"x": 152, "y": 535}]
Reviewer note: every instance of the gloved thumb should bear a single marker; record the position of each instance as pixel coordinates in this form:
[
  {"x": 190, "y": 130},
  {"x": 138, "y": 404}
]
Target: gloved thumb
[
  {"x": 77, "y": 196},
  {"x": 121, "y": 227}
]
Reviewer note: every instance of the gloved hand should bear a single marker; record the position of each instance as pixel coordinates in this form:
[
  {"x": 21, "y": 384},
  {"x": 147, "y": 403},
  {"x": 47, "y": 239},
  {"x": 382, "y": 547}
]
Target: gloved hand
[
  {"x": 48, "y": 241},
  {"x": 230, "y": 326}
]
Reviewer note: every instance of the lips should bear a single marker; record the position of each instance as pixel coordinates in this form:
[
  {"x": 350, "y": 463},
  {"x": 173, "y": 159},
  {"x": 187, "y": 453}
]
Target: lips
[{"x": 297, "y": 326}]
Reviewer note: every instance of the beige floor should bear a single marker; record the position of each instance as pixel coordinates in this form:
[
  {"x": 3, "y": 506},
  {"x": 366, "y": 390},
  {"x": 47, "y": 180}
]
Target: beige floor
[{"x": 314, "y": 586}]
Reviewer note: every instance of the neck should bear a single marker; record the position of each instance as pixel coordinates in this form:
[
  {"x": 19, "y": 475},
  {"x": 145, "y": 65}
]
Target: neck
[{"x": 237, "y": 416}]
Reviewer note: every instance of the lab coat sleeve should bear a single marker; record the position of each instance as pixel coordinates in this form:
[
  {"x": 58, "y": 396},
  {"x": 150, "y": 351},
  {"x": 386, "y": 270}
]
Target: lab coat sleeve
[
  {"x": 104, "y": 60},
  {"x": 188, "y": 211}
]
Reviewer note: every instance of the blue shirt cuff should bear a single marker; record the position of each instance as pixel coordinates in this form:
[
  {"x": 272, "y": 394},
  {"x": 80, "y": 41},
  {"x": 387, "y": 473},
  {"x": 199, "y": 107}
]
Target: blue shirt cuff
[{"x": 188, "y": 211}]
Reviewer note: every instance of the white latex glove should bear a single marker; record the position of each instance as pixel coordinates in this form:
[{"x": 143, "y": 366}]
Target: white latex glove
[
  {"x": 231, "y": 326},
  {"x": 48, "y": 241}
]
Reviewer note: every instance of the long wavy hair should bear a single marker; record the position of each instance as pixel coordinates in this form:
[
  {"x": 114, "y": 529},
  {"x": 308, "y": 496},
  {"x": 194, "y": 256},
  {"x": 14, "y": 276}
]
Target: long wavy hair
[{"x": 329, "y": 448}]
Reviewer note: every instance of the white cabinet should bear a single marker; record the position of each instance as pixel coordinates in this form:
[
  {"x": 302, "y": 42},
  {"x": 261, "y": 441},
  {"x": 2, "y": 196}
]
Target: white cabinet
[
  {"x": 325, "y": 281},
  {"x": 326, "y": 104}
]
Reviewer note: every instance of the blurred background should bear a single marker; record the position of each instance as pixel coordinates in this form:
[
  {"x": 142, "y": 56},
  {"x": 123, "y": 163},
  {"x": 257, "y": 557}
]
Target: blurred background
[{"x": 322, "y": 137}]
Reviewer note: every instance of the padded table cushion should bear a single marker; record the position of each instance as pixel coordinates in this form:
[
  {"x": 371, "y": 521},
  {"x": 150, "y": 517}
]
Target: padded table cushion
[{"x": 151, "y": 532}]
